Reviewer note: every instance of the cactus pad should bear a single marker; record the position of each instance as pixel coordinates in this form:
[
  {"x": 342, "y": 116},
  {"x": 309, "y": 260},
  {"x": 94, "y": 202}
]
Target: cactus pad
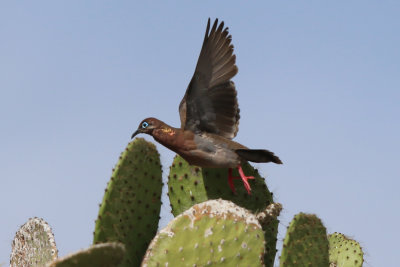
[
  {"x": 131, "y": 205},
  {"x": 306, "y": 243},
  {"x": 344, "y": 251},
  {"x": 33, "y": 245},
  {"x": 188, "y": 185},
  {"x": 215, "y": 232},
  {"x": 100, "y": 255}
]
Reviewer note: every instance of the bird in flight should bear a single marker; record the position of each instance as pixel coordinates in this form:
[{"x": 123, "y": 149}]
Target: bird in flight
[{"x": 209, "y": 113}]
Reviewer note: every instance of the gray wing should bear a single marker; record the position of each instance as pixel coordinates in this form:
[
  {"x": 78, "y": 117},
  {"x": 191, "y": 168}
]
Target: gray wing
[{"x": 210, "y": 102}]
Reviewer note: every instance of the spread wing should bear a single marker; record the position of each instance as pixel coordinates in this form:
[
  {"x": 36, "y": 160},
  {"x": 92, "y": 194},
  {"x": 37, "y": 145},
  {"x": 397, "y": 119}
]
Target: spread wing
[{"x": 210, "y": 102}]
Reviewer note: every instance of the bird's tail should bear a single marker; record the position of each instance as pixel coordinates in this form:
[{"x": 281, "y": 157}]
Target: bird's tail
[{"x": 258, "y": 155}]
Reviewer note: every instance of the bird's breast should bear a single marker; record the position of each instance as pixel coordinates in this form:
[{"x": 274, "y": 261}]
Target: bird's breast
[
  {"x": 175, "y": 139},
  {"x": 198, "y": 149}
]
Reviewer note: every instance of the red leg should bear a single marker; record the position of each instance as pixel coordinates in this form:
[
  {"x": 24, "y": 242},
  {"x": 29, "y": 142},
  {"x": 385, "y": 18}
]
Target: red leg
[
  {"x": 230, "y": 180},
  {"x": 242, "y": 176},
  {"x": 244, "y": 179}
]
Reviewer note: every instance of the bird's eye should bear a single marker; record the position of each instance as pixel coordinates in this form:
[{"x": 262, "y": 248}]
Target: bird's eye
[{"x": 145, "y": 124}]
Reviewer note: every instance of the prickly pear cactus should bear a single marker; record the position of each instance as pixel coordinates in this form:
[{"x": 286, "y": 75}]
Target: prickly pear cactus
[
  {"x": 131, "y": 205},
  {"x": 188, "y": 185},
  {"x": 100, "y": 255},
  {"x": 306, "y": 243},
  {"x": 215, "y": 232},
  {"x": 344, "y": 252},
  {"x": 33, "y": 245}
]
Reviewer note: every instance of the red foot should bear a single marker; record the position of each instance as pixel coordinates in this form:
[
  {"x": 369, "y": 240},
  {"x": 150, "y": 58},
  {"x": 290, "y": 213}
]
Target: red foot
[{"x": 244, "y": 179}]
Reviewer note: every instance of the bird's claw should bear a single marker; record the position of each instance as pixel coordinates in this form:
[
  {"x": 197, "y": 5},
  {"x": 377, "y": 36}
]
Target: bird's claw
[{"x": 242, "y": 176}]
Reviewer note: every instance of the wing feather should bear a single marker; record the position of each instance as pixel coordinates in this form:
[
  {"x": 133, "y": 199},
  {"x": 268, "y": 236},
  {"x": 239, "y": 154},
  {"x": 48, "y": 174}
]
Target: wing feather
[{"x": 210, "y": 102}]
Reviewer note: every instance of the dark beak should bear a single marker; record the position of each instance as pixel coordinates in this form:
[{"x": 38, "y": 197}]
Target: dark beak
[{"x": 135, "y": 133}]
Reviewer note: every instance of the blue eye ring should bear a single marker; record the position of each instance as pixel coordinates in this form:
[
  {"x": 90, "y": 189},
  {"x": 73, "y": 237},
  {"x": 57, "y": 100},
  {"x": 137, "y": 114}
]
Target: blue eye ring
[{"x": 145, "y": 124}]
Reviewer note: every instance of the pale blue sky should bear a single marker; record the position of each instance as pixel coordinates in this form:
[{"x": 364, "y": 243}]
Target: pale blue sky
[{"x": 318, "y": 84}]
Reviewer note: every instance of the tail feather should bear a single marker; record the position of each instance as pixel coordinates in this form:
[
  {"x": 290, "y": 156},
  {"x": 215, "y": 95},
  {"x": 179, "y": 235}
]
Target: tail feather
[{"x": 258, "y": 155}]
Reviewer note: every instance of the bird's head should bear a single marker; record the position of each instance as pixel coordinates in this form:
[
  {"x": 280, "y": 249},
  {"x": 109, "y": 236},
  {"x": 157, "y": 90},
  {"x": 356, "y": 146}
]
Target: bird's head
[{"x": 147, "y": 126}]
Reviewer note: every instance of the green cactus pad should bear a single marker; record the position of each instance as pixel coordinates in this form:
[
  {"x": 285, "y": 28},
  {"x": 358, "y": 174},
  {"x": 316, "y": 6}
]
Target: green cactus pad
[
  {"x": 33, "y": 245},
  {"x": 188, "y": 185},
  {"x": 131, "y": 205},
  {"x": 100, "y": 255},
  {"x": 215, "y": 232},
  {"x": 306, "y": 243},
  {"x": 344, "y": 252}
]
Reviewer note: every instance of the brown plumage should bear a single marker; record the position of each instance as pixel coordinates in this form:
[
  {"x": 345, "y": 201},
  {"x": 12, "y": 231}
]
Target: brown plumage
[{"x": 209, "y": 113}]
